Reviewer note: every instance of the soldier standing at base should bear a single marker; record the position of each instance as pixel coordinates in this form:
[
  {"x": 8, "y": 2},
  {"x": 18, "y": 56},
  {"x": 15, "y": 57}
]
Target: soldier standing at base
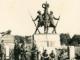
[
  {"x": 51, "y": 17},
  {"x": 44, "y": 55},
  {"x": 2, "y": 50},
  {"x": 16, "y": 51},
  {"x": 40, "y": 20},
  {"x": 52, "y": 55}
]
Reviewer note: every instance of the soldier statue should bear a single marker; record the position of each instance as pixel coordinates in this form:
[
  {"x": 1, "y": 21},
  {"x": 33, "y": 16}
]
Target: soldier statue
[
  {"x": 2, "y": 50},
  {"x": 40, "y": 20},
  {"x": 51, "y": 17},
  {"x": 46, "y": 19}
]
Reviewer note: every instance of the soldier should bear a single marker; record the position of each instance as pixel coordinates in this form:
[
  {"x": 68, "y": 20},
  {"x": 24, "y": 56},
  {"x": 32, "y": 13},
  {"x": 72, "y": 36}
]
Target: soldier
[
  {"x": 22, "y": 51},
  {"x": 2, "y": 50},
  {"x": 51, "y": 17},
  {"x": 16, "y": 51},
  {"x": 34, "y": 53},
  {"x": 40, "y": 20},
  {"x": 25, "y": 53},
  {"x": 52, "y": 56},
  {"x": 44, "y": 55}
]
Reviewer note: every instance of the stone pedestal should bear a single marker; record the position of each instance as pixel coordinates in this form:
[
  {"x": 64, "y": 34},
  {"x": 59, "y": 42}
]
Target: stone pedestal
[{"x": 47, "y": 41}]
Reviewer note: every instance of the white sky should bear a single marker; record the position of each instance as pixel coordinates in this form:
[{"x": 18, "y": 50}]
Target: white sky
[{"x": 15, "y": 15}]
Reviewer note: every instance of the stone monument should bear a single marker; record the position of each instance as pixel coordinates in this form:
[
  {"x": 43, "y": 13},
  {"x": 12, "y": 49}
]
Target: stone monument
[{"x": 48, "y": 41}]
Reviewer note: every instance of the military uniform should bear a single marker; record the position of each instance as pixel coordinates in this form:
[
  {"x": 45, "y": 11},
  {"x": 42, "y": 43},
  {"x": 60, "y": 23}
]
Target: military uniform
[
  {"x": 40, "y": 20},
  {"x": 2, "y": 51},
  {"x": 25, "y": 52},
  {"x": 44, "y": 56},
  {"x": 52, "y": 56},
  {"x": 51, "y": 17},
  {"x": 16, "y": 52}
]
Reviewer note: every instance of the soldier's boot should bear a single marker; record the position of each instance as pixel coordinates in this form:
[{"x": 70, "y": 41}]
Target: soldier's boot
[{"x": 35, "y": 30}]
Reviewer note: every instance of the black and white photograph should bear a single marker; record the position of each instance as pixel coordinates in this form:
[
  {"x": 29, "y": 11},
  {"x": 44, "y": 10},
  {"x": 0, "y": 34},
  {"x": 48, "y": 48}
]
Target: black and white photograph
[{"x": 39, "y": 29}]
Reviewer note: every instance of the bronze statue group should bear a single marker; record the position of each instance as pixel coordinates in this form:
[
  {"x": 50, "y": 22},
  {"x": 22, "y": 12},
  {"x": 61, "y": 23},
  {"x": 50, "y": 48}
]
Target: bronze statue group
[{"x": 46, "y": 19}]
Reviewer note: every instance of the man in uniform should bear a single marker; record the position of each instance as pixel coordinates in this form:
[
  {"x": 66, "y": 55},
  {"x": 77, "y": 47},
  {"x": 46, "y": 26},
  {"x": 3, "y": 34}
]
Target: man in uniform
[
  {"x": 45, "y": 55},
  {"x": 40, "y": 20},
  {"x": 16, "y": 51},
  {"x": 52, "y": 55},
  {"x": 2, "y": 50},
  {"x": 34, "y": 53},
  {"x": 51, "y": 17}
]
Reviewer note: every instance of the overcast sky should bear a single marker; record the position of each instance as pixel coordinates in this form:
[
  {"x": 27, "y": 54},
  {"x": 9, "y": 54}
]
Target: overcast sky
[{"x": 15, "y": 15}]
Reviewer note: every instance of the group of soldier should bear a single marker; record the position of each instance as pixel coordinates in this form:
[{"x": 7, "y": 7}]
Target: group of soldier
[
  {"x": 24, "y": 53},
  {"x": 46, "y": 56},
  {"x": 45, "y": 19},
  {"x": 61, "y": 55}
]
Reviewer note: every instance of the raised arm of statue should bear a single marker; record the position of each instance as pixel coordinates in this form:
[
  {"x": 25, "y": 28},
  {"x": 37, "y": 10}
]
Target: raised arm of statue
[
  {"x": 36, "y": 18},
  {"x": 56, "y": 18}
]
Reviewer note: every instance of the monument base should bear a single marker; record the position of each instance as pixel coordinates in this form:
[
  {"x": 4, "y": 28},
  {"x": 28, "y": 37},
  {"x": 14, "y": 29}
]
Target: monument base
[{"x": 47, "y": 41}]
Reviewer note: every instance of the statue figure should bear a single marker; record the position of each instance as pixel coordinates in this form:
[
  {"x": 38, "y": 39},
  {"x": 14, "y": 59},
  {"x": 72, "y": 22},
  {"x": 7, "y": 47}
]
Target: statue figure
[
  {"x": 40, "y": 21},
  {"x": 51, "y": 17},
  {"x": 45, "y": 16},
  {"x": 46, "y": 19},
  {"x": 2, "y": 50}
]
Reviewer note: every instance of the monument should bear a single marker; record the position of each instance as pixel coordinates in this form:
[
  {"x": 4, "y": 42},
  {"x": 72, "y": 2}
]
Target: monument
[
  {"x": 46, "y": 19},
  {"x": 46, "y": 40}
]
